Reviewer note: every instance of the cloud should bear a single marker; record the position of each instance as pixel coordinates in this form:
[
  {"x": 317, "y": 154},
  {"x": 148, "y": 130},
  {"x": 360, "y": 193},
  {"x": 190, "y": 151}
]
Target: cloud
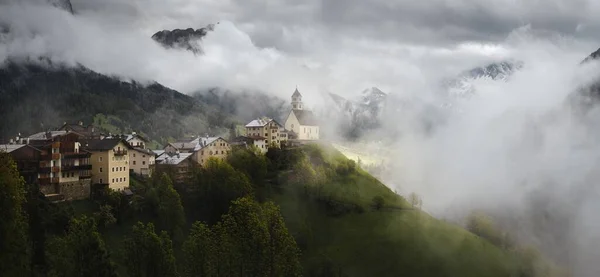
[{"x": 510, "y": 142}]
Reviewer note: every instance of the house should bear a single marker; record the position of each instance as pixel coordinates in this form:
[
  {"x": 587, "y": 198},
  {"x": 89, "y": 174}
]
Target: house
[
  {"x": 177, "y": 165},
  {"x": 266, "y": 128},
  {"x": 301, "y": 122},
  {"x": 110, "y": 162},
  {"x": 259, "y": 142},
  {"x": 84, "y": 131},
  {"x": 202, "y": 148},
  {"x": 56, "y": 162},
  {"x": 141, "y": 161},
  {"x": 27, "y": 159},
  {"x": 134, "y": 139}
]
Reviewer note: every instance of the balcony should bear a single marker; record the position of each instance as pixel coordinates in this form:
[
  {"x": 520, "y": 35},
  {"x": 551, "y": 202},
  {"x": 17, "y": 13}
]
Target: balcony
[
  {"x": 74, "y": 155},
  {"x": 55, "y": 169},
  {"x": 44, "y": 170},
  {"x": 56, "y": 156},
  {"x": 120, "y": 152},
  {"x": 56, "y": 144},
  {"x": 76, "y": 167}
]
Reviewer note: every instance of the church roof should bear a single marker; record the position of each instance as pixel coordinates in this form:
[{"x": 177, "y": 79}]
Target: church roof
[
  {"x": 306, "y": 117},
  {"x": 296, "y": 93}
]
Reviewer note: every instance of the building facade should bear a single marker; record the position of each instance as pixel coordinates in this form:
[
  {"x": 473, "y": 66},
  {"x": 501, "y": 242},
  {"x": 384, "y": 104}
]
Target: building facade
[
  {"x": 268, "y": 129},
  {"x": 301, "y": 122},
  {"x": 110, "y": 162},
  {"x": 56, "y": 162},
  {"x": 141, "y": 161},
  {"x": 202, "y": 148}
]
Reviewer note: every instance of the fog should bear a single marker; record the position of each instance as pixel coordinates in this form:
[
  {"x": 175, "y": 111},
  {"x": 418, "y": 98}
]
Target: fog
[{"x": 516, "y": 149}]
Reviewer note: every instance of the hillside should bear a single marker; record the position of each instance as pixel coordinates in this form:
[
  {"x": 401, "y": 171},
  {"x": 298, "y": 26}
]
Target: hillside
[
  {"x": 341, "y": 231},
  {"x": 35, "y": 97}
]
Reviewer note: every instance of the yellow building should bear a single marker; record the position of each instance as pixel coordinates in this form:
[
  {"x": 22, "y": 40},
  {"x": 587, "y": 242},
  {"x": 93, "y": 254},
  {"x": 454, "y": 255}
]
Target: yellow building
[
  {"x": 110, "y": 162},
  {"x": 268, "y": 129},
  {"x": 302, "y": 123},
  {"x": 202, "y": 148},
  {"x": 141, "y": 161}
]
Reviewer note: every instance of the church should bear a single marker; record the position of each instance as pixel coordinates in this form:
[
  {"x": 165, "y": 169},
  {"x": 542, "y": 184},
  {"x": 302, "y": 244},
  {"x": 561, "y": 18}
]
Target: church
[{"x": 300, "y": 123}]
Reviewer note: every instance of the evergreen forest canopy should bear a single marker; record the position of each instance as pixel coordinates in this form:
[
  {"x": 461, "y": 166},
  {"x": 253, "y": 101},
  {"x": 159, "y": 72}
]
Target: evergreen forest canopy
[{"x": 295, "y": 212}]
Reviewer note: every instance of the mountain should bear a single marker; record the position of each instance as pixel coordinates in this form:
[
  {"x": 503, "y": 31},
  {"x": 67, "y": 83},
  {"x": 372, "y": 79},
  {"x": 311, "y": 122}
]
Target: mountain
[
  {"x": 35, "y": 96},
  {"x": 245, "y": 105},
  {"x": 463, "y": 85},
  {"x": 63, "y": 4},
  {"x": 357, "y": 115},
  {"x": 593, "y": 56},
  {"x": 187, "y": 39}
]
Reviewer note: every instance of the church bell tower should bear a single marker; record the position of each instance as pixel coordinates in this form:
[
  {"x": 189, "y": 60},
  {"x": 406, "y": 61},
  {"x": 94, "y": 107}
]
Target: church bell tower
[{"x": 297, "y": 100}]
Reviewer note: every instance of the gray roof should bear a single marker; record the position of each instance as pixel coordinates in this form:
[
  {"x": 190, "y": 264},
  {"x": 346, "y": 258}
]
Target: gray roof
[
  {"x": 261, "y": 122},
  {"x": 195, "y": 144},
  {"x": 10, "y": 147},
  {"x": 172, "y": 159},
  {"x": 42, "y": 135},
  {"x": 102, "y": 144},
  {"x": 296, "y": 93},
  {"x": 158, "y": 152},
  {"x": 306, "y": 117}
]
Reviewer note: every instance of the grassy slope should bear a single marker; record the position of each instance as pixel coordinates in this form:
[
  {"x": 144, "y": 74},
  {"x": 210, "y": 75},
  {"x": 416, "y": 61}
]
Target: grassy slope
[{"x": 396, "y": 241}]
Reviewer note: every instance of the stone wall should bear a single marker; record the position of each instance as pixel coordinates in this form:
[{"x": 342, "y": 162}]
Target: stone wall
[
  {"x": 76, "y": 190},
  {"x": 47, "y": 189}
]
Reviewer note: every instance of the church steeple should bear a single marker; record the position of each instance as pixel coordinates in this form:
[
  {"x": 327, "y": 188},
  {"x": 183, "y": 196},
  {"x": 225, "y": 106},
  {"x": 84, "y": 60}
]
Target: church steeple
[{"x": 297, "y": 100}]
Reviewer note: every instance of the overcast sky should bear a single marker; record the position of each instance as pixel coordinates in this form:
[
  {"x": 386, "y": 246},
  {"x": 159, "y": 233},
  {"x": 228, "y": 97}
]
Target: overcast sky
[{"x": 339, "y": 46}]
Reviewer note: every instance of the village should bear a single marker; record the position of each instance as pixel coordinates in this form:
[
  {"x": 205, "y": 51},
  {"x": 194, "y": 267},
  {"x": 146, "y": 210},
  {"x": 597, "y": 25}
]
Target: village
[{"x": 71, "y": 160}]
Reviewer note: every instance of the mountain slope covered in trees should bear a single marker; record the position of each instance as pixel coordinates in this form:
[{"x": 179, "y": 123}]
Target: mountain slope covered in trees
[{"x": 35, "y": 97}]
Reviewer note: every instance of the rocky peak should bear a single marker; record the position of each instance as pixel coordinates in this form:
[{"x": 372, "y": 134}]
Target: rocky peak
[{"x": 187, "y": 39}]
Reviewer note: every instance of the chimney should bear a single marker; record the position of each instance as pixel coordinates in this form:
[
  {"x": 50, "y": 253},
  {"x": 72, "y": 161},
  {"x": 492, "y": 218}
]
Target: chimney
[
  {"x": 80, "y": 123},
  {"x": 11, "y": 141},
  {"x": 133, "y": 133},
  {"x": 27, "y": 140}
]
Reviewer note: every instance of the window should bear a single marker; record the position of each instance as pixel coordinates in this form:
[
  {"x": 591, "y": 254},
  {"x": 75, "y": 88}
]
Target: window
[
  {"x": 100, "y": 181},
  {"x": 266, "y": 134},
  {"x": 133, "y": 162},
  {"x": 113, "y": 180},
  {"x": 100, "y": 169},
  {"x": 143, "y": 156},
  {"x": 113, "y": 169},
  {"x": 99, "y": 159},
  {"x": 202, "y": 152},
  {"x": 63, "y": 175},
  {"x": 143, "y": 162},
  {"x": 134, "y": 155},
  {"x": 222, "y": 152}
]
